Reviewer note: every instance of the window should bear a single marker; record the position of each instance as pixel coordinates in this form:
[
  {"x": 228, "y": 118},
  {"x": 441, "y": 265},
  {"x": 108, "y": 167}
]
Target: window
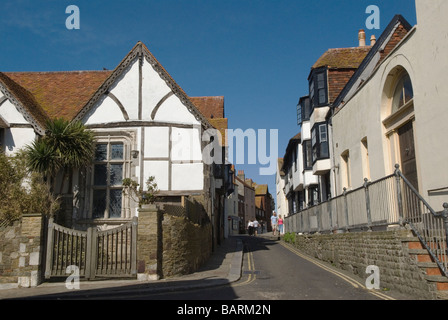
[
  {"x": 295, "y": 158},
  {"x": 313, "y": 196},
  {"x": 2, "y": 139},
  {"x": 303, "y": 110},
  {"x": 318, "y": 87},
  {"x": 365, "y": 158},
  {"x": 108, "y": 174},
  {"x": 345, "y": 174},
  {"x": 404, "y": 92},
  {"x": 307, "y": 155},
  {"x": 319, "y": 142}
]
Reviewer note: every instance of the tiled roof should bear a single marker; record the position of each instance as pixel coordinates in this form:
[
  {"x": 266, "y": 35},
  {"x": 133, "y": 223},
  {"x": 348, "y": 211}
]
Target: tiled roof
[
  {"x": 342, "y": 58},
  {"x": 261, "y": 189},
  {"x": 66, "y": 94},
  {"x": 25, "y": 98},
  {"x": 61, "y": 94},
  {"x": 280, "y": 165},
  {"x": 221, "y": 125},
  {"x": 210, "y": 107}
]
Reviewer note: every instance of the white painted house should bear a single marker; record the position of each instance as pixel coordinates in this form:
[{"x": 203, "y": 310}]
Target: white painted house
[
  {"x": 396, "y": 110},
  {"x": 145, "y": 125}
]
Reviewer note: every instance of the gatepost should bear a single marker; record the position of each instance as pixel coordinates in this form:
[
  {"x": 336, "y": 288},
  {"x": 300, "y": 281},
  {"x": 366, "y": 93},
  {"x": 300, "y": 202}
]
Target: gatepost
[{"x": 149, "y": 243}]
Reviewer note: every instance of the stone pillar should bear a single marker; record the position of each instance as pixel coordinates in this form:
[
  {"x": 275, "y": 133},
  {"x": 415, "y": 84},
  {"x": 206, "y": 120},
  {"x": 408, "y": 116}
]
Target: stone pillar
[
  {"x": 149, "y": 243},
  {"x": 30, "y": 251}
]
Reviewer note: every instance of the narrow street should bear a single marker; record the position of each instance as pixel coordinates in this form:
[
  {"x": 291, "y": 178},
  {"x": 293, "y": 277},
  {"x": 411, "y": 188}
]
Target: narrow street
[{"x": 273, "y": 271}]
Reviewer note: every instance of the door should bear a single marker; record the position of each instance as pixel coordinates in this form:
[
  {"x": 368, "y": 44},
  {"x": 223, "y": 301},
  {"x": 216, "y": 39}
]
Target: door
[{"x": 407, "y": 154}]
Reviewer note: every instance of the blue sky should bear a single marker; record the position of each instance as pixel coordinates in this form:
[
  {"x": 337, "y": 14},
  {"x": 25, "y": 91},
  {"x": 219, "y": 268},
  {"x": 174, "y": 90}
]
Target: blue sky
[{"x": 255, "y": 53}]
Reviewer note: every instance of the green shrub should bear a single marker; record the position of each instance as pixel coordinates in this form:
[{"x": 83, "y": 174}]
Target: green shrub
[
  {"x": 22, "y": 191},
  {"x": 289, "y": 237}
]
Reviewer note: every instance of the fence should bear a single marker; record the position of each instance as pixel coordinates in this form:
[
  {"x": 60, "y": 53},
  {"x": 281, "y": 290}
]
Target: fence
[
  {"x": 372, "y": 205},
  {"x": 389, "y": 201}
]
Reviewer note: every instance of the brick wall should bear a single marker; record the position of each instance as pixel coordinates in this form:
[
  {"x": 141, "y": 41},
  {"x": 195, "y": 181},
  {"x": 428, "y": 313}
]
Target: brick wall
[
  {"x": 337, "y": 79},
  {"x": 354, "y": 252}
]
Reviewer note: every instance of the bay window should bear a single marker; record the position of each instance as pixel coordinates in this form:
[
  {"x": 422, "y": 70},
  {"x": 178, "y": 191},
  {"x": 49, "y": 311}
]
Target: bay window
[
  {"x": 318, "y": 87},
  {"x": 319, "y": 142}
]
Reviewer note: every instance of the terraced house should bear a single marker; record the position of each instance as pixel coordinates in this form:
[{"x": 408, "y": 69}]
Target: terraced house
[{"x": 372, "y": 135}]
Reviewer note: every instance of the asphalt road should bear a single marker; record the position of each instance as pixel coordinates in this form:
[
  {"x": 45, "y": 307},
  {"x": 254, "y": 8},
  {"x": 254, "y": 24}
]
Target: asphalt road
[{"x": 273, "y": 271}]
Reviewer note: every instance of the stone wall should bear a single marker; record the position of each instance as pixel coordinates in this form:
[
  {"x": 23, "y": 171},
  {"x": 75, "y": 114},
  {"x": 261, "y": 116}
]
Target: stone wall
[
  {"x": 21, "y": 253},
  {"x": 354, "y": 252},
  {"x": 170, "y": 246},
  {"x": 186, "y": 246}
]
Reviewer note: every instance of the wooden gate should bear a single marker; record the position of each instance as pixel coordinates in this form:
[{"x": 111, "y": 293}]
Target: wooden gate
[{"x": 104, "y": 254}]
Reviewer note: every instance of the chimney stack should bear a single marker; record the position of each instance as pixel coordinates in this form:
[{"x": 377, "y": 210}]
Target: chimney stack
[
  {"x": 372, "y": 40},
  {"x": 362, "y": 38},
  {"x": 241, "y": 175}
]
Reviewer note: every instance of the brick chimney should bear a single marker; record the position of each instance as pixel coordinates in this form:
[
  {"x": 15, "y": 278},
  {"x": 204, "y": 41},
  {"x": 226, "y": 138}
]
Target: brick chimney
[
  {"x": 362, "y": 38},
  {"x": 241, "y": 175}
]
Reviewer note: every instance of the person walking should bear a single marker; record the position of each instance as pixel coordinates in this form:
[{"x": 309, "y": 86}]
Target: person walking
[
  {"x": 280, "y": 225},
  {"x": 274, "y": 223},
  {"x": 256, "y": 225},
  {"x": 250, "y": 227}
]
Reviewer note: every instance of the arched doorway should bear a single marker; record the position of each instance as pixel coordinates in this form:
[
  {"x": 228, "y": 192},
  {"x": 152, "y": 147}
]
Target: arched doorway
[{"x": 399, "y": 123}]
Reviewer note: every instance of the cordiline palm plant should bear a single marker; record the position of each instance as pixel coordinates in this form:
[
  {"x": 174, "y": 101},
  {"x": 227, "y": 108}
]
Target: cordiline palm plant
[{"x": 65, "y": 146}]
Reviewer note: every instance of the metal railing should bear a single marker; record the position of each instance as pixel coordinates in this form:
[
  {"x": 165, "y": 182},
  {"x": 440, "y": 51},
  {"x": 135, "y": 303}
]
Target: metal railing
[
  {"x": 429, "y": 226},
  {"x": 389, "y": 201}
]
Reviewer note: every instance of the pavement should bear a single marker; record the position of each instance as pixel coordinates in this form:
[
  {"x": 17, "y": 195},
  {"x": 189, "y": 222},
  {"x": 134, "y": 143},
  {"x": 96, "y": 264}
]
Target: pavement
[{"x": 223, "y": 268}]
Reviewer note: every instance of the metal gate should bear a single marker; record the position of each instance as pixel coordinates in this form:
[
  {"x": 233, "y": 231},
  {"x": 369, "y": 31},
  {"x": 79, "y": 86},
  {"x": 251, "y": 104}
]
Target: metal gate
[{"x": 104, "y": 254}]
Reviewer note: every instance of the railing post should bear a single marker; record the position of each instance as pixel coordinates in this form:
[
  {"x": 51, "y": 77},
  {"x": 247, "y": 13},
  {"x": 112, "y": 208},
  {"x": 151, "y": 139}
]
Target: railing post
[
  {"x": 134, "y": 227},
  {"x": 50, "y": 244},
  {"x": 346, "y": 210},
  {"x": 369, "y": 216},
  {"x": 445, "y": 223},
  {"x": 91, "y": 253},
  {"x": 399, "y": 196}
]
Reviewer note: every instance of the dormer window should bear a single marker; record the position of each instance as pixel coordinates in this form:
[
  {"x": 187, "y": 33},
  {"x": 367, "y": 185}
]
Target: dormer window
[{"x": 318, "y": 87}]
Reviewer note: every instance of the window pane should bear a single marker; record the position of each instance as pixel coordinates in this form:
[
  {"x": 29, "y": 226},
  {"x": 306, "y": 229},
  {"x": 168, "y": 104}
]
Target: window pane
[
  {"x": 320, "y": 81},
  {"x": 408, "y": 90},
  {"x": 100, "y": 175},
  {"x": 115, "y": 204},
  {"x": 306, "y": 109},
  {"x": 99, "y": 203},
  {"x": 323, "y": 133},
  {"x": 324, "y": 150},
  {"x": 101, "y": 152},
  {"x": 116, "y": 152},
  {"x": 312, "y": 90},
  {"x": 313, "y": 137},
  {"x": 322, "y": 96},
  {"x": 299, "y": 114},
  {"x": 116, "y": 174}
]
